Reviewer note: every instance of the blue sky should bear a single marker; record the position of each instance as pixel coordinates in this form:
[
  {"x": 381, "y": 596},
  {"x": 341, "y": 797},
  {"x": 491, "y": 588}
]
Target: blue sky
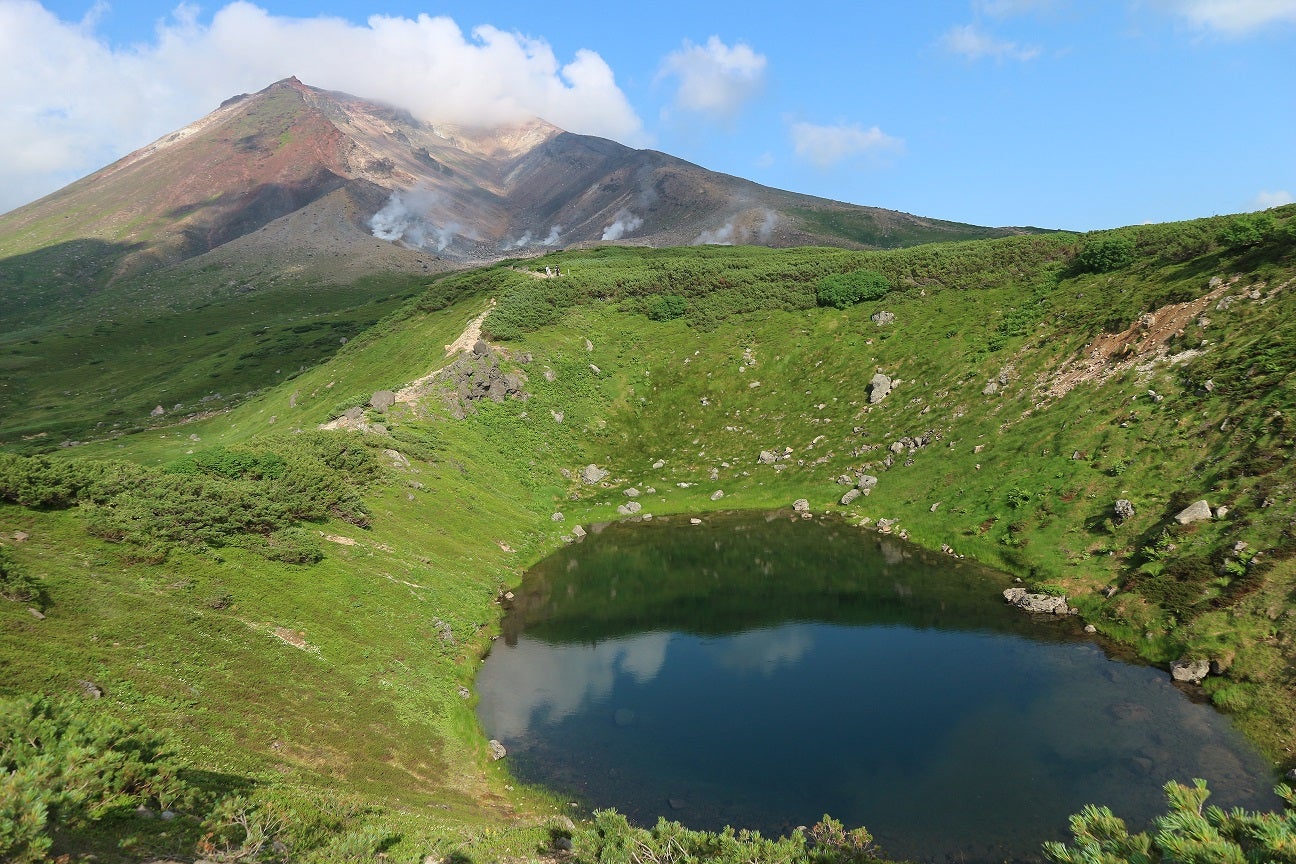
[{"x": 1054, "y": 113}]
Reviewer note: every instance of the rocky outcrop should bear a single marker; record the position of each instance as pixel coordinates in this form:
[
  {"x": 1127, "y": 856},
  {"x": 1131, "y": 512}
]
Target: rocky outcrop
[
  {"x": 381, "y": 400},
  {"x": 1038, "y": 603},
  {"x": 1124, "y": 510},
  {"x": 882, "y": 319}
]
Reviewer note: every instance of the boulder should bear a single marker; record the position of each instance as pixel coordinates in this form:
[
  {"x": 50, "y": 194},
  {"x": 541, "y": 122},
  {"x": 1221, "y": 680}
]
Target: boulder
[
  {"x": 767, "y": 457},
  {"x": 632, "y": 492},
  {"x": 990, "y": 388},
  {"x": 592, "y": 474},
  {"x": 1198, "y": 511},
  {"x": 879, "y": 388},
  {"x": 629, "y": 508},
  {"x": 578, "y": 532},
  {"x": 660, "y": 463},
  {"x": 882, "y": 319},
  {"x": 497, "y": 751},
  {"x": 381, "y": 400},
  {"x": 1038, "y": 603},
  {"x": 851, "y": 495},
  {"x": 1124, "y": 510},
  {"x": 557, "y": 517},
  {"x": 1191, "y": 671},
  {"x": 158, "y": 411},
  {"x": 801, "y": 505},
  {"x": 480, "y": 348},
  {"x": 867, "y": 482},
  {"x": 717, "y": 495}
]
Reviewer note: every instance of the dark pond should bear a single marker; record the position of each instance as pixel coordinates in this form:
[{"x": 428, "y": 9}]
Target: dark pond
[{"x": 761, "y": 671}]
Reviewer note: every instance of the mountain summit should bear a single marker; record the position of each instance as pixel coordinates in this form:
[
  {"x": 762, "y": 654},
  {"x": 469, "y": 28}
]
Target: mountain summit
[{"x": 294, "y": 173}]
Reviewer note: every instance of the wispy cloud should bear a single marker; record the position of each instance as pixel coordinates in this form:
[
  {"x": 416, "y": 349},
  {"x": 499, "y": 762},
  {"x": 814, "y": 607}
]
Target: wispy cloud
[
  {"x": 1234, "y": 17},
  {"x": 1266, "y": 199},
  {"x": 973, "y": 43},
  {"x": 71, "y": 102},
  {"x": 714, "y": 78},
  {"x": 825, "y": 146}
]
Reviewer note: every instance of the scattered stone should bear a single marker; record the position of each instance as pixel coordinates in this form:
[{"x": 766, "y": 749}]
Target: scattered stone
[
  {"x": 714, "y": 474},
  {"x": 1198, "y": 511},
  {"x": 1038, "y": 603},
  {"x": 158, "y": 411},
  {"x": 881, "y": 319},
  {"x": 717, "y": 495},
  {"x": 444, "y": 633},
  {"x": 767, "y": 457},
  {"x": 381, "y": 400},
  {"x": 1209, "y": 386},
  {"x": 660, "y": 463},
  {"x": 867, "y": 482},
  {"x": 557, "y": 517},
  {"x": 91, "y": 690},
  {"x": 36, "y": 613},
  {"x": 578, "y": 532},
  {"x": 465, "y": 693},
  {"x": 695, "y": 521},
  {"x": 589, "y": 346},
  {"x": 897, "y": 447},
  {"x": 144, "y": 813},
  {"x": 1124, "y": 510},
  {"x": 562, "y": 843},
  {"x": 990, "y": 388},
  {"x": 933, "y": 508},
  {"x": 632, "y": 492},
  {"x": 801, "y": 505},
  {"x": 497, "y": 751},
  {"x": 353, "y": 414},
  {"x": 596, "y": 370},
  {"x": 480, "y": 348},
  {"x": 1191, "y": 671},
  {"x": 592, "y": 474},
  {"x": 557, "y": 415},
  {"x": 550, "y": 375},
  {"x": 1090, "y": 629},
  {"x": 851, "y": 495},
  {"x": 1290, "y": 776},
  {"x": 879, "y": 388},
  {"x": 630, "y": 508},
  {"x": 167, "y": 815},
  {"x": 1221, "y": 511},
  {"x": 20, "y": 536},
  {"x": 398, "y": 459}
]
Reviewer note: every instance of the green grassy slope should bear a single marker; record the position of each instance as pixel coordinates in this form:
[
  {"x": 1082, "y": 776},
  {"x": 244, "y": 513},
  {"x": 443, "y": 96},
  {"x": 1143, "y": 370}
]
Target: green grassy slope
[{"x": 1020, "y": 475}]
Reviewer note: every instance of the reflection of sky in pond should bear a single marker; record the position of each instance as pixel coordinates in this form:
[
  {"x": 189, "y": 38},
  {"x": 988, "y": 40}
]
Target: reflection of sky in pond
[{"x": 945, "y": 722}]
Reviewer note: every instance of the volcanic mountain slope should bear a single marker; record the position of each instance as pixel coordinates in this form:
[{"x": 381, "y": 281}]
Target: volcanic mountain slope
[{"x": 297, "y": 178}]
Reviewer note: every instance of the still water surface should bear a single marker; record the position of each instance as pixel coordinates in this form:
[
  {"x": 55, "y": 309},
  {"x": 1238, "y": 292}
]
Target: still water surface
[{"x": 761, "y": 671}]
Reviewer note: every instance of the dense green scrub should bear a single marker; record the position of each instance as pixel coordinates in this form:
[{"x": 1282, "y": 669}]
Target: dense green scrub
[{"x": 300, "y": 609}]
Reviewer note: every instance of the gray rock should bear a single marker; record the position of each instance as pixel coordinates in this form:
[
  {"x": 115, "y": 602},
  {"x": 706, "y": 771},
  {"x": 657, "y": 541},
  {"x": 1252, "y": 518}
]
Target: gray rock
[
  {"x": 1290, "y": 776},
  {"x": 480, "y": 348},
  {"x": 1124, "y": 509},
  {"x": 1192, "y": 671},
  {"x": 1198, "y": 511},
  {"x": 990, "y": 388},
  {"x": 867, "y": 482},
  {"x": 158, "y": 411},
  {"x": 578, "y": 532},
  {"x": 879, "y": 388},
  {"x": 801, "y": 505},
  {"x": 557, "y": 517},
  {"x": 381, "y": 400},
  {"x": 91, "y": 689},
  {"x": 717, "y": 495},
  {"x": 851, "y": 495},
  {"x": 660, "y": 463},
  {"x": 592, "y": 474},
  {"x": 1090, "y": 629},
  {"x": 1038, "y": 603},
  {"x": 897, "y": 447},
  {"x": 20, "y": 536},
  {"x": 882, "y": 319},
  {"x": 629, "y": 508},
  {"x": 632, "y": 492},
  {"x": 354, "y": 413},
  {"x": 397, "y": 458},
  {"x": 767, "y": 457},
  {"x": 36, "y": 613},
  {"x": 497, "y": 751}
]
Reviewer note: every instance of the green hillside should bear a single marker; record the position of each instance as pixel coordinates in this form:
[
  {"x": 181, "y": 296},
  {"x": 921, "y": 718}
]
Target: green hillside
[{"x": 299, "y": 609}]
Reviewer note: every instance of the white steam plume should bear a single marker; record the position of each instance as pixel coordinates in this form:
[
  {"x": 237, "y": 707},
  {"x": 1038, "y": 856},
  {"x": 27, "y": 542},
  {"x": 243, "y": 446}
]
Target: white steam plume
[
  {"x": 408, "y": 218},
  {"x": 625, "y": 222},
  {"x": 555, "y": 231},
  {"x": 732, "y": 232}
]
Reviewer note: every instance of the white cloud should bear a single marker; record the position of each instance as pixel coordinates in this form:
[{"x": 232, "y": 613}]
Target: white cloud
[
  {"x": 825, "y": 146},
  {"x": 70, "y": 102},
  {"x": 1266, "y": 199},
  {"x": 714, "y": 77},
  {"x": 973, "y": 43},
  {"x": 1234, "y": 17}
]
